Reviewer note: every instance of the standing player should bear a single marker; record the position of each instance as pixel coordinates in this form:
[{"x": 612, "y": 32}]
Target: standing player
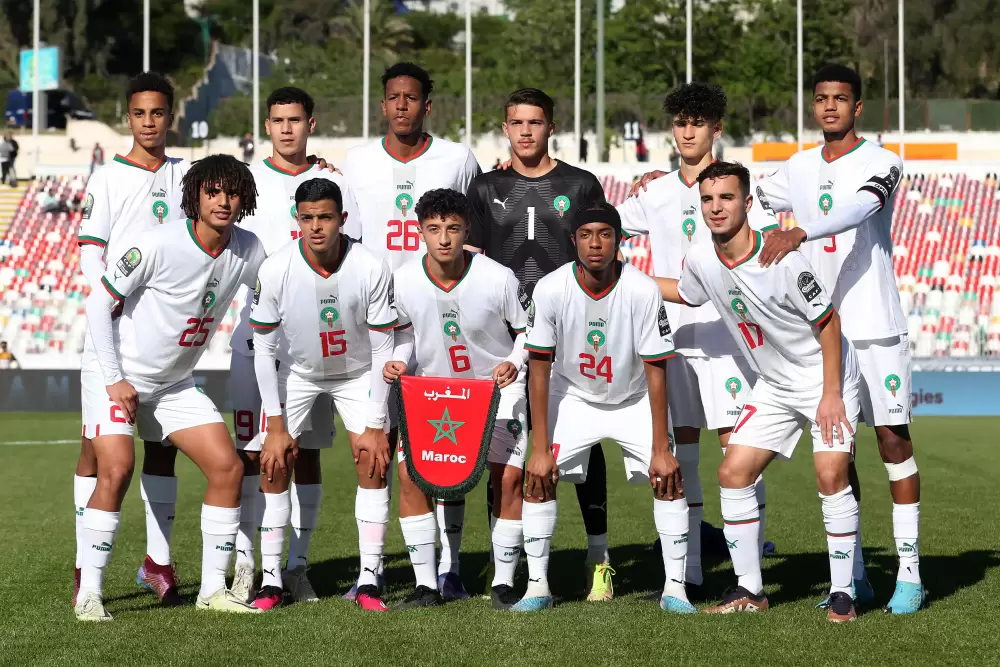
[
  {"x": 333, "y": 301},
  {"x": 709, "y": 380},
  {"x": 598, "y": 326},
  {"x": 125, "y": 198},
  {"x": 289, "y": 123},
  {"x": 176, "y": 283},
  {"x": 522, "y": 217},
  {"x": 807, "y": 377},
  {"x": 843, "y": 195},
  {"x": 483, "y": 300},
  {"x": 389, "y": 176}
]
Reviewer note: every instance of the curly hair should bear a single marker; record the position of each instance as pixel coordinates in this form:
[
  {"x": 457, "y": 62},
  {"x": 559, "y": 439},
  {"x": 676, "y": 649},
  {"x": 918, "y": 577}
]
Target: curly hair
[
  {"x": 149, "y": 82},
  {"x": 224, "y": 172},
  {"x": 413, "y": 71},
  {"x": 442, "y": 203},
  {"x": 696, "y": 100}
]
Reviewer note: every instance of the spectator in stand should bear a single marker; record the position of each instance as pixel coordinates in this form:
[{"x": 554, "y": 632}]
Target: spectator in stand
[
  {"x": 7, "y": 152},
  {"x": 7, "y": 358},
  {"x": 246, "y": 145},
  {"x": 641, "y": 153},
  {"x": 96, "y": 157},
  {"x": 583, "y": 148}
]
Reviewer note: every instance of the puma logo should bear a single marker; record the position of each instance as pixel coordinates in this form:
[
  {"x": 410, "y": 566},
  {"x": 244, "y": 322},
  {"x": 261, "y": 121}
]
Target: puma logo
[
  {"x": 502, "y": 203},
  {"x": 270, "y": 572}
]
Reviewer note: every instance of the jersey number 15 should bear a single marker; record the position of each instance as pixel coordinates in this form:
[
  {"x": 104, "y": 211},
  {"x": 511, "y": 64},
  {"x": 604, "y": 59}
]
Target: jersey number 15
[{"x": 334, "y": 343}]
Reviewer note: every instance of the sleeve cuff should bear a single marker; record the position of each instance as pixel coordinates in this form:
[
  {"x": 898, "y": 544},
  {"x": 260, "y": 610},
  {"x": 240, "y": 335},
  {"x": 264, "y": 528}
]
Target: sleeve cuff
[
  {"x": 111, "y": 290},
  {"x": 383, "y": 327},
  {"x": 658, "y": 357},
  {"x": 540, "y": 349},
  {"x": 91, "y": 240},
  {"x": 823, "y": 317},
  {"x": 264, "y": 326}
]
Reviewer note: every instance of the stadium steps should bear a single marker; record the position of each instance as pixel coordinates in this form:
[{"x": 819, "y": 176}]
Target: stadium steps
[{"x": 10, "y": 200}]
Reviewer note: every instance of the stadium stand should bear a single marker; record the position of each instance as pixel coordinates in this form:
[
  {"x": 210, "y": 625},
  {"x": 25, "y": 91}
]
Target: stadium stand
[{"x": 947, "y": 251}]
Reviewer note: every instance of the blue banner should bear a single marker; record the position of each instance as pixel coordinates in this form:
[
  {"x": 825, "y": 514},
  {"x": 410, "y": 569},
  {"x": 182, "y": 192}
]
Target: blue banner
[
  {"x": 48, "y": 69},
  {"x": 956, "y": 393}
]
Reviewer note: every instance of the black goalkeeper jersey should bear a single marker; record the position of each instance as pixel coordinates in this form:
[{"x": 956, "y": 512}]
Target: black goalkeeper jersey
[{"x": 524, "y": 223}]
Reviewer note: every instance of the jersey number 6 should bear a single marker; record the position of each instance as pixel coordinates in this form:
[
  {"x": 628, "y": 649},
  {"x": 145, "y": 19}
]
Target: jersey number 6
[
  {"x": 588, "y": 362},
  {"x": 334, "y": 344},
  {"x": 197, "y": 334},
  {"x": 407, "y": 230},
  {"x": 459, "y": 362}
]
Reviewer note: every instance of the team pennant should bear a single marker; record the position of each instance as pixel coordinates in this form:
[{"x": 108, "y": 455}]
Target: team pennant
[{"x": 446, "y": 425}]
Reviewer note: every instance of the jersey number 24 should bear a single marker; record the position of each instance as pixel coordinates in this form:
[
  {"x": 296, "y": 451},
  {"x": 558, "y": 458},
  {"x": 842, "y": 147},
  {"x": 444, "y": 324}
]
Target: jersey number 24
[{"x": 591, "y": 369}]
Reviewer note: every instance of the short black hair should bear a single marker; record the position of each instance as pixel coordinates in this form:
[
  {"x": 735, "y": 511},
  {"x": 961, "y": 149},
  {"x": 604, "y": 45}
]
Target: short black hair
[
  {"x": 319, "y": 189},
  {"x": 225, "y": 172},
  {"x": 722, "y": 169},
  {"x": 839, "y": 74},
  {"x": 291, "y": 95},
  {"x": 411, "y": 70},
  {"x": 532, "y": 97},
  {"x": 442, "y": 203},
  {"x": 696, "y": 100},
  {"x": 149, "y": 82}
]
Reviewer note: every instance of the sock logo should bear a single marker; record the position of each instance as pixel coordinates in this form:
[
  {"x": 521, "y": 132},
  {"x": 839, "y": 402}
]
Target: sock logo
[
  {"x": 228, "y": 546},
  {"x": 103, "y": 546},
  {"x": 533, "y": 581},
  {"x": 682, "y": 539},
  {"x": 79, "y": 511},
  {"x": 603, "y": 507},
  {"x": 840, "y": 555},
  {"x": 513, "y": 552},
  {"x": 270, "y": 572},
  {"x": 731, "y": 545},
  {"x": 529, "y": 540},
  {"x": 265, "y": 530},
  {"x": 241, "y": 551},
  {"x": 411, "y": 549},
  {"x": 453, "y": 529},
  {"x": 368, "y": 569},
  {"x": 908, "y": 548}
]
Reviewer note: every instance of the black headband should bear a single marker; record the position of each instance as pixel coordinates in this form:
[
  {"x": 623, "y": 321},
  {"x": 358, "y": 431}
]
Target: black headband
[{"x": 607, "y": 215}]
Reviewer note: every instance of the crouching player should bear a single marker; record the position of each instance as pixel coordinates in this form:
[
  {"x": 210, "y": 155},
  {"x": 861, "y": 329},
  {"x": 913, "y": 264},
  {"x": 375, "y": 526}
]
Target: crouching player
[
  {"x": 454, "y": 311},
  {"x": 176, "y": 283},
  {"x": 808, "y": 376},
  {"x": 333, "y": 300},
  {"x": 605, "y": 324}
]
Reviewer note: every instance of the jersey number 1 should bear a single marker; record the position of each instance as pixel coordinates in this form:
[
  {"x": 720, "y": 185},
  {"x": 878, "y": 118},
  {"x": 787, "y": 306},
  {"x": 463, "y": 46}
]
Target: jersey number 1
[
  {"x": 403, "y": 235},
  {"x": 334, "y": 344}
]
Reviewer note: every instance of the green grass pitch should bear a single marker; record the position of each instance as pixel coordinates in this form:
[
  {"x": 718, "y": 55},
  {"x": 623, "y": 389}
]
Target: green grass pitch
[{"x": 959, "y": 464}]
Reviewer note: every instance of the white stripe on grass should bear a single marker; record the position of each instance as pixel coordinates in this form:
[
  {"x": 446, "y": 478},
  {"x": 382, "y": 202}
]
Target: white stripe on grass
[{"x": 39, "y": 442}]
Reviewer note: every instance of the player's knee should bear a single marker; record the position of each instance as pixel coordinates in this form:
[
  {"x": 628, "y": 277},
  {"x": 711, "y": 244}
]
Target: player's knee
[
  {"x": 734, "y": 476},
  {"x": 831, "y": 479},
  {"x": 116, "y": 475},
  {"x": 511, "y": 485},
  {"x": 226, "y": 472},
  {"x": 250, "y": 461},
  {"x": 894, "y": 444}
]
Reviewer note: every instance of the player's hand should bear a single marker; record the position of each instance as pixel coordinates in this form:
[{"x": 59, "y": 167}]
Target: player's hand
[
  {"x": 832, "y": 418},
  {"x": 279, "y": 451},
  {"x": 542, "y": 474},
  {"x": 393, "y": 370},
  {"x": 665, "y": 476},
  {"x": 125, "y": 397},
  {"x": 777, "y": 244},
  {"x": 504, "y": 374},
  {"x": 375, "y": 442},
  {"x": 323, "y": 164},
  {"x": 645, "y": 180},
  {"x": 504, "y": 166}
]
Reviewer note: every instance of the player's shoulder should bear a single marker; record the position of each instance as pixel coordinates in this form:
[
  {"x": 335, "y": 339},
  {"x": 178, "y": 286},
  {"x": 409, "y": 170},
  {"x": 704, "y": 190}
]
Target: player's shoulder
[
  {"x": 662, "y": 189},
  {"x": 872, "y": 153},
  {"x": 362, "y": 256},
  {"x": 245, "y": 243},
  {"x": 572, "y": 172},
  {"x": 637, "y": 282},
  {"x": 555, "y": 282},
  {"x": 279, "y": 260},
  {"x": 489, "y": 269},
  {"x": 176, "y": 163},
  {"x": 409, "y": 273},
  {"x": 446, "y": 148},
  {"x": 366, "y": 149}
]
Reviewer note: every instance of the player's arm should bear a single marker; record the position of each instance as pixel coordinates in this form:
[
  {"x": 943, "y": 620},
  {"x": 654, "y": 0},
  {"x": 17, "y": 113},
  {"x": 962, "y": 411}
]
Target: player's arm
[
  {"x": 352, "y": 225},
  {"x": 688, "y": 291},
  {"x": 404, "y": 341},
  {"x": 381, "y": 318},
  {"x": 515, "y": 311},
  {"x": 542, "y": 472},
  {"x": 95, "y": 228},
  {"x": 761, "y": 217},
  {"x": 479, "y": 217}
]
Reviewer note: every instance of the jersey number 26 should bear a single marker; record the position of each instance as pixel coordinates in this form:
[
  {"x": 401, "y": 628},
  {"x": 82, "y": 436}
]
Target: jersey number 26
[{"x": 403, "y": 235}]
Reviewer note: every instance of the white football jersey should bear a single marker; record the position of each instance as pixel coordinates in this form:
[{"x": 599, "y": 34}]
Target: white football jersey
[
  {"x": 856, "y": 264},
  {"x": 176, "y": 293},
  {"x": 388, "y": 188},
  {"x": 669, "y": 211},
  {"x": 771, "y": 311},
  {"x": 461, "y": 331},
  {"x": 325, "y": 316},
  {"x": 124, "y": 199},
  {"x": 275, "y": 225},
  {"x": 599, "y": 340}
]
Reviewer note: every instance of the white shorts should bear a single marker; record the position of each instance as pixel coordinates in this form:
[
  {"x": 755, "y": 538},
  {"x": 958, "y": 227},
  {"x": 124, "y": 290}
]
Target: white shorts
[
  {"x": 774, "y": 419},
  {"x": 886, "y": 380},
  {"x": 509, "y": 443},
  {"x": 575, "y": 425},
  {"x": 162, "y": 412},
  {"x": 708, "y": 392},
  {"x": 304, "y": 395},
  {"x": 249, "y": 422}
]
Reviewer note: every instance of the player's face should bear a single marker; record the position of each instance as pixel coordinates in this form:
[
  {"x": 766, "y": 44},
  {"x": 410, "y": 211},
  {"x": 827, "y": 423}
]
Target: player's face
[
  {"x": 596, "y": 245},
  {"x": 216, "y": 207},
  {"x": 444, "y": 237},
  {"x": 404, "y": 106},
  {"x": 289, "y": 128},
  {"x": 834, "y": 106},
  {"x": 724, "y": 207},
  {"x": 320, "y": 223},
  {"x": 694, "y": 136},
  {"x": 528, "y": 131},
  {"x": 149, "y": 119}
]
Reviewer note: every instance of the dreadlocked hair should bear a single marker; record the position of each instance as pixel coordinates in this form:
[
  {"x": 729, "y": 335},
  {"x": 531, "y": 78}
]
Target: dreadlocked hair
[{"x": 225, "y": 173}]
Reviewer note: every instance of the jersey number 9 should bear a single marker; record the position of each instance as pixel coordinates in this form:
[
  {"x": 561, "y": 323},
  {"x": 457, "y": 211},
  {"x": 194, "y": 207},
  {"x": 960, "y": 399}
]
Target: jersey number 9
[
  {"x": 587, "y": 366},
  {"x": 403, "y": 235},
  {"x": 334, "y": 344},
  {"x": 197, "y": 334}
]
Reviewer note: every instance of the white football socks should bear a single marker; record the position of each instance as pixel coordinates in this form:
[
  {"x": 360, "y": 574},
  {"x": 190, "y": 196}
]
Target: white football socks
[
  {"x": 539, "y": 521},
  {"x": 760, "y": 492},
  {"x": 306, "y": 499},
  {"x": 672, "y": 525},
  {"x": 906, "y": 530},
  {"x": 508, "y": 535},
  {"x": 251, "y": 514},
  {"x": 451, "y": 522},
  {"x": 420, "y": 535},
  {"x": 371, "y": 511},
  {"x": 83, "y": 488},
  {"x": 687, "y": 456},
  {"x": 277, "y": 512},
  {"x": 218, "y": 535},
  {"x": 741, "y": 517},
  {"x": 159, "y": 494},
  {"x": 841, "y": 516},
  {"x": 99, "y": 529}
]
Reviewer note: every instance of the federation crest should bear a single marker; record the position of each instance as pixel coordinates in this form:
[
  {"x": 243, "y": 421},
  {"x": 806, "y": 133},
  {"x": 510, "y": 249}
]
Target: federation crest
[
  {"x": 404, "y": 202},
  {"x": 733, "y": 386},
  {"x": 688, "y": 227},
  {"x": 88, "y": 206},
  {"x": 209, "y": 300},
  {"x": 160, "y": 210},
  {"x": 596, "y": 339},
  {"x": 329, "y": 315},
  {"x": 292, "y": 211},
  {"x": 514, "y": 427},
  {"x": 452, "y": 329},
  {"x": 739, "y": 308},
  {"x": 826, "y": 203},
  {"x": 561, "y": 204},
  {"x": 892, "y": 383}
]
